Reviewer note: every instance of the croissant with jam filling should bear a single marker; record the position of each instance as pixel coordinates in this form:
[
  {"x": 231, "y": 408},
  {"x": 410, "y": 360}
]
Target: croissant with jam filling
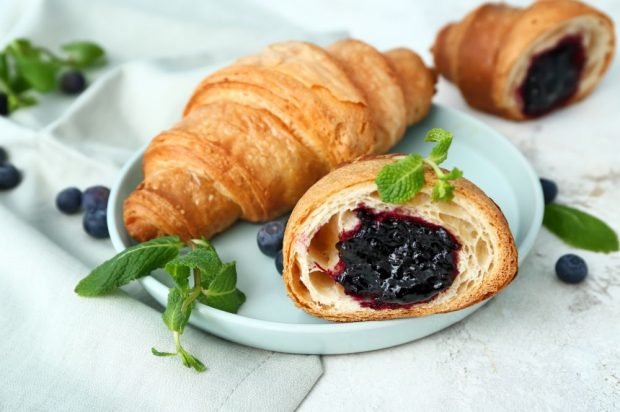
[
  {"x": 348, "y": 256},
  {"x": 522, "y": 63}
]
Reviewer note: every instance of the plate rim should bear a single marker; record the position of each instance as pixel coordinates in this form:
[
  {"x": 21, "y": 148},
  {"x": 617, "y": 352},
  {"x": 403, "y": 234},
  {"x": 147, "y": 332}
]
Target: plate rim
[{"x": 149, "y": 282}]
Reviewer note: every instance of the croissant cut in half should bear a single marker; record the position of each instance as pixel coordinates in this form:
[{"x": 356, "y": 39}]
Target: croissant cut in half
[
  {"x": 258, "y": 133},
  {"x": 348, "y": 256},
  {"x": 522, "y": 63}
]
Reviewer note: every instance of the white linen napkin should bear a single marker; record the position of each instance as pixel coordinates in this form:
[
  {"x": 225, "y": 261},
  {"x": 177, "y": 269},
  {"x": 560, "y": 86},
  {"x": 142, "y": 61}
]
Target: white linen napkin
[{"x": 62, "y": 352}]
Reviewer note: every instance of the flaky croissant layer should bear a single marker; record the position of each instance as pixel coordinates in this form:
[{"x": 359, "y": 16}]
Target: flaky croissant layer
[{"x": 257, "y": 134}]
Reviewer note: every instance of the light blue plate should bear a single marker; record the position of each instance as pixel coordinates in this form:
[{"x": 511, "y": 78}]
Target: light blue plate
[{"x": 269, "y": 320}]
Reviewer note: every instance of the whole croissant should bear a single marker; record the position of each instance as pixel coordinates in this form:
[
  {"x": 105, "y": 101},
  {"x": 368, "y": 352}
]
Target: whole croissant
[
  {"x": 257, "y": 134},
  {"x": 522, "y": 63}
]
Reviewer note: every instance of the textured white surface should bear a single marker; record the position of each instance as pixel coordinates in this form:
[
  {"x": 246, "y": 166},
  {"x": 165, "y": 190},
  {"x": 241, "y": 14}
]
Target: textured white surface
[{"x": 540, "y": 345}]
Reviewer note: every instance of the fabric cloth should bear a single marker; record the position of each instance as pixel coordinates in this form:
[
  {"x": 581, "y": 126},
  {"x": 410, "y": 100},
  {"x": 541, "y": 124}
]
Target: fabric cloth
[{"x": 62, "y": 352}]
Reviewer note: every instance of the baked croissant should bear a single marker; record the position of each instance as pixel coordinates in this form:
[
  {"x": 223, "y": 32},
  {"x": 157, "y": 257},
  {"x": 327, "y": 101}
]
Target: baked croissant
[
  {"x": 257, "y": 134},
  {"x": 348, "y": 256},
  {"x": 522, "y": 63}
]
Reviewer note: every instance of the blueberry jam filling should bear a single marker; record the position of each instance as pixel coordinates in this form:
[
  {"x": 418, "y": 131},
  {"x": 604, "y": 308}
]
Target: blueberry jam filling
[
  {"x": 391, "y": 260},
  {"x": 553, "y": 77}
]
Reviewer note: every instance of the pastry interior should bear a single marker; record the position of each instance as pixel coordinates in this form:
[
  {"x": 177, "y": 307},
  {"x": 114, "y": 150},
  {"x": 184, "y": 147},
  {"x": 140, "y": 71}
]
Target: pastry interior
[
  {"x": 381, "y": 256},
  {"x": 558, "y": 65}
]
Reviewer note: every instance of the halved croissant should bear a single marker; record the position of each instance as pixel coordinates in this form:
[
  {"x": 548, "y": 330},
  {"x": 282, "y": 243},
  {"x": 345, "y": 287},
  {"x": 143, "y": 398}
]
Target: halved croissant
[
  {"x": 260, "y": 132},
  {"x": 522, "y": 63},
  {"x": 458, "y": 253}
]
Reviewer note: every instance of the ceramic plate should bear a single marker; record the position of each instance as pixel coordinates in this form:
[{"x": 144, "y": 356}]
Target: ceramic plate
[{"x": 269, "y": 320}]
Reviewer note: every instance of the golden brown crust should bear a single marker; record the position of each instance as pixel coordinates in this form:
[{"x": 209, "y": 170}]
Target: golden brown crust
[
  {"x": 486, "y": 54},
  {"x": 256, "y": 134},
  {"x": 416, "y": 81},
  {"x": 360, "y": 176}
]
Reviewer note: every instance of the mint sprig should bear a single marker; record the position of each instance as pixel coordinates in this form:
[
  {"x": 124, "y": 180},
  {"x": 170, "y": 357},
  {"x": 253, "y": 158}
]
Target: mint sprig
[
  {"x": 25, "y": 66},
  {"x": 214, "y": 282},
  {"x": 400, "y": 181},
  {"x": 580, "y": 229}
]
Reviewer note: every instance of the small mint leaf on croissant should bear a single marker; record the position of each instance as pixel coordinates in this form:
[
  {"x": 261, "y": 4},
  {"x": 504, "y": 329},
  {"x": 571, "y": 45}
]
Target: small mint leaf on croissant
[{"x": 400, "y": 181}]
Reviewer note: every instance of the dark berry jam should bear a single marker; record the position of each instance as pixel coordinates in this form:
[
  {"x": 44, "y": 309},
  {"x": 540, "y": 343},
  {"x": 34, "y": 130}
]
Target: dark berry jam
[
  {"x": 391, "y": 260},
  {"x": 553, "y": 77}
]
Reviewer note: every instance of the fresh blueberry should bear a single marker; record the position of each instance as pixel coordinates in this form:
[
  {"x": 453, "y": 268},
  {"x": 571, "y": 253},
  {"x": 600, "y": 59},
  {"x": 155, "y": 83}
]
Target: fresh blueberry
[
  {"x": 69, "y": 200},
  {"x": 270, "y": 237},
  {"x": 72, "y": 82},
  {"x": 4, "y": 104},
  {"x": 4, "y": 156},
  {"x": 95, "y": 197},
  {"x": 550, "y": 190},
  {"x": 9, "y": 176},
  {"x": 571, "y": 268},
  {"x": 95, "y": 223},
  {"x": 279, "y": 262}
]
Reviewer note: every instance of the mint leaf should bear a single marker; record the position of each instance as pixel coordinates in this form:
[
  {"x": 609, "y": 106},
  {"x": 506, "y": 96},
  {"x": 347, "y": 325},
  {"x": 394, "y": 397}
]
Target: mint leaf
[
  {"x": 191, "y": 361},
  {"x": 230, "y": 301},
  {"x": 202, "y": 258},
  {"x": 442, "y": 191},
  {"x": 176, "y": 315},
  {"x": 225, "y": 280},
  {"x": 453, "y": 174},
  {"x": 580, "y": 229},
  {"x": 19, "y": 84},
  {"x": 41, "y": 75},
  {"x": 222, "y": 292},
  {"x": 188, "y": 359},
  {"x": 4, "y": 69},
  {"x": 399, "y": 181},
  {"x": 158, "y": 353},
  {"x": 83, "y": 53},
  {"x": 439, "y": 153},
  {"x": 133, "y": 263},
  {"x": 179, "y": 273}
]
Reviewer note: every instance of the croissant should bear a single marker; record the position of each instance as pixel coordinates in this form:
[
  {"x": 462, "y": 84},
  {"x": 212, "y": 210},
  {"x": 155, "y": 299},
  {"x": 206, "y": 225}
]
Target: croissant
[
  {"x": 522, "y": 63},
  {"x": 348, "y": 256},
  {"x": 257, "y": 134}
]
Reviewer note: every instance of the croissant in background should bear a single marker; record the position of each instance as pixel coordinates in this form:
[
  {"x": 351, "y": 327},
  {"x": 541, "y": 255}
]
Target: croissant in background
[
  {"x": 522, "y": 63},
  {"x": 257, "y": 134}
]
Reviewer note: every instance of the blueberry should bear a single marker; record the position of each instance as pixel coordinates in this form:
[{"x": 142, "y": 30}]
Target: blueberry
[
  {"x": 95, "y": 223},
  {"x": 4, "y": 104},
  {"x": 95, "y": 197},
  {"x": 4, "y": 156},
  {"x": 72, "y": 82},
  {"x": 571, "y": 268},
  {"x": 270, "y": 237},
  {"x": 9, "y": 176},
  {"x": 279, "y": 262},
  {"x": 69, "y": 200},
  {"x": 550, "y": 190}
]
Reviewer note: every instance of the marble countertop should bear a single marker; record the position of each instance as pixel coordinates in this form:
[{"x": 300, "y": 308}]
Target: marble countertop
[{"x": 541, "y": 344}]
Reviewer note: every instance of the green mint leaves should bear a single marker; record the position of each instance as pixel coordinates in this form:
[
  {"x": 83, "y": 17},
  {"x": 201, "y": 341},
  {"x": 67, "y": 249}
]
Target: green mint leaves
[
  {"x": 133, "y": 263},
  {"x": 25, "y": 67},
  {"x": 82, "y": 54},
  {"x": 400, "y": 181},
  {"x": 580, "y": 229},
  {"x": 214, "y": 282}
]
